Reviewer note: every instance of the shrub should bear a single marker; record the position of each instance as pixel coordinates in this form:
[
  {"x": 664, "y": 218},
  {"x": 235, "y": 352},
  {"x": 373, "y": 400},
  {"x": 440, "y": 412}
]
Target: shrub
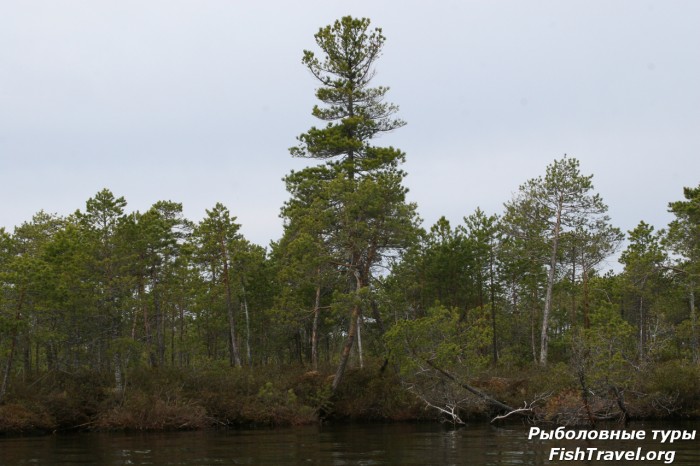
[
  {"x": 16, "y": 418},
  {"x": 141, "y": 411}
]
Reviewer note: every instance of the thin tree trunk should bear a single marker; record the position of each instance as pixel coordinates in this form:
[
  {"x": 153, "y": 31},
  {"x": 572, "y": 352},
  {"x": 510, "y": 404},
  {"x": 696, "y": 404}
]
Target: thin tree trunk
[
  {"x": 235, "y": 358},
  {"x": 172, "y": 336},
  {"x": 299, "y": 347},
  {"x": 345, "y": 354},
  {"x": 249, "y": 358},
  {"x": 160, "y": 324},
  {"x": 147, "y": 328},
  {"x": 359, "y": 341},
  {"x": 8, "y": 368},
  {"x": 350, "y": 340},
  {"x": 13, "y": 348},
  {"x": 573, "y": 288},
  {"x": 117, "y": 357},
  {"x": 544, "y": 341},
  {"x": 533, "y": 346},
  {"x": 586, "y": 301},
  {"x": 314, "y": 329},
  {"x": 493, "y": 310},
  {"x": 181, "y": 335},
  {"x": 641, "y": 328},
  {"x": 118, "y": 376},
  {"x": 693, "y": 326},
  {"x": 584, "y": 394}
]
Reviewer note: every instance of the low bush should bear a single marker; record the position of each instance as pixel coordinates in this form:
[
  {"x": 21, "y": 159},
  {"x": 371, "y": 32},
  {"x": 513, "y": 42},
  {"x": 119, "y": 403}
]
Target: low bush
[
  {"x": 141, "y": 411},
  {"x": 16, "y": 418}
]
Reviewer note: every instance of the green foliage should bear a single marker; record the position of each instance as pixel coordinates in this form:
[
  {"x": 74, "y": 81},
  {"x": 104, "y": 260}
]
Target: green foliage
[
  {"x": 543, "y": 213},
  {"x": 351, "y": 211},
  {"x": 555, "y": 378},
  {"x": 445, "y": 338},
  {"x": 112, "y": 293},
  {"x": 673, "y": 386},
  {"x": 453, "y": 267},
  {"x": 684, "y": 231},
  {"x": 355, "y": 112},
  {"x": 644, "y": 254},
  {"x": 605, "y": 350},
  {"x": 644, "y": 276}
]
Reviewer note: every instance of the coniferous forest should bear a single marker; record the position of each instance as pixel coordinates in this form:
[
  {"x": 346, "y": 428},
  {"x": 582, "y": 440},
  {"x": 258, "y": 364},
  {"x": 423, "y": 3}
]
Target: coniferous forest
[{"x": 118, "y": 319}]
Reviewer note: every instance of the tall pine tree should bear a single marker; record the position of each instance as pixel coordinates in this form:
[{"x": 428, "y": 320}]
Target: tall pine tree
[{"x": 358, "y": 191}]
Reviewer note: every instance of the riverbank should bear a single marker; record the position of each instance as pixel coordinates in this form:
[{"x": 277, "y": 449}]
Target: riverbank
[
  {"x": 170, "y": 399},
  {"x": 223, "y": 397}
]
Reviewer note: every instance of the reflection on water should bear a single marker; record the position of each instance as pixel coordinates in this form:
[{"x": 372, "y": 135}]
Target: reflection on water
[{"x": 389, "y": 444}]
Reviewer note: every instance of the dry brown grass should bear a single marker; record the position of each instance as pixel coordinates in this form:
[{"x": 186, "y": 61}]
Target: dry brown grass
[
  {"x": 143, "y": 412},
  {"x": 15, "y": 418}
]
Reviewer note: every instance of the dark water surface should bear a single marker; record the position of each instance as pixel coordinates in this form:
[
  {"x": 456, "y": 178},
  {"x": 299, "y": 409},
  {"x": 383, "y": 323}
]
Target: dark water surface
[{"x": 365, "y": 444}]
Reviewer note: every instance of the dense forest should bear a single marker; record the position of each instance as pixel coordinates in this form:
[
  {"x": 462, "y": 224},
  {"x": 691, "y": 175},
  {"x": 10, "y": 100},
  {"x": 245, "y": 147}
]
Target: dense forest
[{"x": 111, "y": 318}]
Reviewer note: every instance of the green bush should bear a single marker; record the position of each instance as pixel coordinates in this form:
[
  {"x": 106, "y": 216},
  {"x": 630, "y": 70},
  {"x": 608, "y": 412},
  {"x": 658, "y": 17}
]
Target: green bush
[{"x": 673, "y": 388}]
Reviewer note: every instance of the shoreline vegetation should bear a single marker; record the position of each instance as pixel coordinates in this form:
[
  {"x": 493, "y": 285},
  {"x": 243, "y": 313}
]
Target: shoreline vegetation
[
  {"x": 113, "y": 320},
  {"x": 161, "y": 400}
]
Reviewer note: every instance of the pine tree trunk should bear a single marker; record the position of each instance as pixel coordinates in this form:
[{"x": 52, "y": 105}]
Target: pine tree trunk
[
  {"x": 493, "y": 310},
  {"x": 8, "y": 368},
  {"x": 13, "y": 348},
  {"x": 544, "y": 340},
  {"x": 642, "y": 341},
  {"x": 314, "y": 329},
  {"x": 244, "y": 304},
  {"x": 350, "y": 340},
  {"x": 235, "y": 357},
  {"x": 573, "y": 288},
  {"x": 160, "y": 324},
  {"x": 359, "y": 341},
  {"x": 586, "y": 301},
  {"x": 118, "y": 378},
  {"x": 693, "y": 326},
  {"x": 345, "y": 354},
  {"x": 181, "y": 335},
  {"x": 533, "y": 325}
]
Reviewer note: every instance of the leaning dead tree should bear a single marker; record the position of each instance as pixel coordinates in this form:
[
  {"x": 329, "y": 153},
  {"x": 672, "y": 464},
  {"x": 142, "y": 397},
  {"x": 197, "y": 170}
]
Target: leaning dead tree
[
  {"x": 449, "y": 404},
  {"x": 436, "y": 353},
  {"x": 471, "y": 389}
]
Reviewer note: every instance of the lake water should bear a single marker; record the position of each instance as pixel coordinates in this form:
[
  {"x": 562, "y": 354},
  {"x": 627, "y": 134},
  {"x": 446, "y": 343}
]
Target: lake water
[{"x": 356, "y": 444}]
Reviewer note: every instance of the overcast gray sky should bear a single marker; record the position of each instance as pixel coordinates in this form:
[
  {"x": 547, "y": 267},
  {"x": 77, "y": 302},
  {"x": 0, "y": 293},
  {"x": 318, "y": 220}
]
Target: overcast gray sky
[{"x": 197, "y": 101}]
